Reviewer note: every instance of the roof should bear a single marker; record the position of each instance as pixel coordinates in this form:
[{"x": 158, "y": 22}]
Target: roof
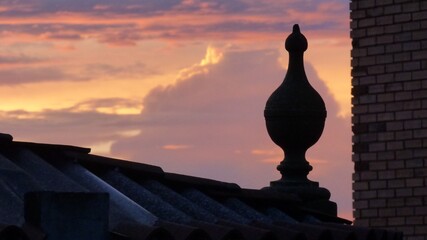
[{"x": 144, "y": 202}]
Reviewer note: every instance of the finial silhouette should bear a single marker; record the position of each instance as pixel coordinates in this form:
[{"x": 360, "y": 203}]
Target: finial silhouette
[{"x": 295, "y": 117}]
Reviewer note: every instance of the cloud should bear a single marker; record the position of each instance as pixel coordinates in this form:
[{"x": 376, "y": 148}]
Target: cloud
[
  {"x": 117, "y": 34},
  {"x": 111, "y": 7},
  {"x": 7, "y": 59},
  {"x": 217, "y": 114},
  {"x": 86, "y": 124},
  {"x": 16, "y": 74},
  {"x": 149, "y": 8},
  {"x": 127, "y": 22},
  {"x": 22, "y": 75}
]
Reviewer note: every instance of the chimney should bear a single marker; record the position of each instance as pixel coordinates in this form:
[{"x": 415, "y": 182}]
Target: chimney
[
  {"x": 68, "y": 216},
  {"x": 295, "y": 117}
]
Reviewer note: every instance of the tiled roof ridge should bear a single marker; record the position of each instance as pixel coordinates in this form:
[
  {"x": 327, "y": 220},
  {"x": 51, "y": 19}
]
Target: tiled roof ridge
[
  {"x": 217, "y": 188},
  {"x": 146, "y": 202}
]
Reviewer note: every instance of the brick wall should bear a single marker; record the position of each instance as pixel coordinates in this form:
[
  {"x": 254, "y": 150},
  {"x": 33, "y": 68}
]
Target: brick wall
[{"x": 389, "y": 79}]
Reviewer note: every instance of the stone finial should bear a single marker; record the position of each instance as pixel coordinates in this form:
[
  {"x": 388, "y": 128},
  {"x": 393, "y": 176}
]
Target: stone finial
[{"x": 295, "y": 117}]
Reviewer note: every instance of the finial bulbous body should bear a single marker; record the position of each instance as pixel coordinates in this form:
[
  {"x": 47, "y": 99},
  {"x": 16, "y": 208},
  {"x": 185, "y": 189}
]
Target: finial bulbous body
[{"x": 295, "y": 115}]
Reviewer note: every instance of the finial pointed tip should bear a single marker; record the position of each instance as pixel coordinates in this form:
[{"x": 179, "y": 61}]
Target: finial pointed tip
[
  {"x": 296, "y": 40},
  {"x": 295, "y": 29}
]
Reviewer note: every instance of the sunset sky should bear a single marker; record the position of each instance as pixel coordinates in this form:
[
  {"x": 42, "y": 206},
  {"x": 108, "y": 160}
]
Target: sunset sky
[{"x": 180, "y": 84}]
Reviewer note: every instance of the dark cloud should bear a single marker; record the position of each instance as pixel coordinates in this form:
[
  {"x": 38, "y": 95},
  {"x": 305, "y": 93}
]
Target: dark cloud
[
  {"x": 108, "y": 70},
  {"x": 212, "y": 125},
  {"x": 18, "y": 59},
  {"x": 24, "y": 8},
  {"x": 16, "y": 75},
  {"x": 118, "y": 34},
  {"x": 22, "y": 75},
  {"x": 79, "y": 125},
  {"x": 123, "y": 7},
  {"x": 231, "y": 17}
]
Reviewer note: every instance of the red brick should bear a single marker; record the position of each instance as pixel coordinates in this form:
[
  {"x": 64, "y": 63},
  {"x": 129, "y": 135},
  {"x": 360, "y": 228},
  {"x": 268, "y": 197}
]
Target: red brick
[
  {"x": 366, "y": 22},
  {"x": 386, "y": 156},
  {"x": 395, "y": 145},
  {"x": 378, "y": 184},
  {"x": 400, "y": 57},
  {"x": 358, "y": 14},
  {"x": 384, "y": 58},
  {"x": 401, "y": 96},
  {"x": 368, "y": 156},
  {"x": 416, "y": 220},
  {"x": 402, "y": 115},
  {"x": 361, "y": 222},
  {"x": 419, "y": 94},
  {"x": 413, "y": 143},
  {"x": 421, "y": 229},
  {"x": 367, "y": 213},
  {"x": 414, "y": 201},
  {"x": 368, "y": 176},
  {"x": 375, "y": 30},
  {"x": 377, "y": 147},
  {"x": 387, "y": 212},
  {"x": 366, "y": 61},
  {"x": 420, "y": 15},
  {"x": 411, "y": 7},
  {"x": 359, "y": 52},
  {"x": 385, "y": 136},
  {"x": 412, "y": 124},
  {"x": 367, "y": 41},
  {"x": 361, "y": 186},
  {"x": 412, "y": 85},
  {"x": 396, "y": 183},
  {"x": 386, "y": 193},
  {"x": 396, "y": 221},
  {"x": 388, "y": 97},
  {"x": 404, "y": 173},
  {"x": 421, "y": 210},
  {"x": 405, "y": 211},
  {"x": 384, "y": 39},
  {"x": 404, "y": 192},
  {"x": 377, "y": 69},
  {"x": 394, "y": 28},
  {"x": 392, "y": 68},
  {"x": 411, "y": 26},
  {"x": 419, "y": 55},
  {"x": 365, "y": 4},
  {"x": 378, "y": 222},
  {"x": 385, "y": 78},
  {"x": 414, "y": 182},
  {"x": 404, "y": 154},
  {"x": 419, "y": 74},
  {"x": 392, "y": 9},
  {"x": 411, "y": 46},
  {"x": 394, "y": 126},
  {"x": 393, "y": 48},
  {"x": 376, "y": 108},
  {"x": 415, "y": 163},
  {"x": 419, "y": 35},
  {"x": 395, "y": 202},
  {"x": 361, "y": 204},
  {"x": 411, "y": 66},
  {"x": 385, "y": 116},
  {"x": 420, "y": 191}
]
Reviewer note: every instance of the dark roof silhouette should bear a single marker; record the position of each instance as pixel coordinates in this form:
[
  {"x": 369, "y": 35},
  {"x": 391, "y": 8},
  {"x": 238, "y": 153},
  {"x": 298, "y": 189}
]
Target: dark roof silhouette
[{"x": 144, "y": 202}]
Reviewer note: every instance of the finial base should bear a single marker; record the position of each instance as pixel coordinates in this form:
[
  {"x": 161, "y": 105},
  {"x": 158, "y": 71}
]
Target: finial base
[
  {"x": 312, "y": 196},
  {"x": 308, "y": 190}
]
